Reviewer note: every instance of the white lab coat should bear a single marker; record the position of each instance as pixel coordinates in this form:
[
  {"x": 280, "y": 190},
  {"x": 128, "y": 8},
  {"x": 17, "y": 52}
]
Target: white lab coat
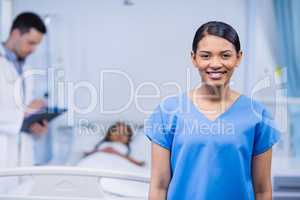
[{"x": 11, "y": 117}]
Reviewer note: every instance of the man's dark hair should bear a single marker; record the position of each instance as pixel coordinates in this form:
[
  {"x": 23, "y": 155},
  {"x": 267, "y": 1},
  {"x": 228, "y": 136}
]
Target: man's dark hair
[{"x": 27, "y": 20}]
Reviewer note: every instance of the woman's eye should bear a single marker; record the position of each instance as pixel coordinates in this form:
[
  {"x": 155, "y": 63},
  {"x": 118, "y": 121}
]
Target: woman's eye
[
  {"x": 226, "y": 56},
  {"x": 204, "y": 56}
]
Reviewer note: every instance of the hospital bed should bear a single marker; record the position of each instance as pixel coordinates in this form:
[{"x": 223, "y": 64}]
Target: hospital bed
[
  {"x": 99, "y": 176},
  {"x": 68, "y": 183}
]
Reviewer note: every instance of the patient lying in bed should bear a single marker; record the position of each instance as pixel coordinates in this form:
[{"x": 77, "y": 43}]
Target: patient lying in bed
[
  {"x": 117, "y": 142},
  {"x": 113, "y": 154}
]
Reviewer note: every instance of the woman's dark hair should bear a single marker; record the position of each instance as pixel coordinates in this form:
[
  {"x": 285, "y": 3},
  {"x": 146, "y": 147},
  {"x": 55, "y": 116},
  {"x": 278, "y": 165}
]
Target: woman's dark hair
[
  {"x": 125, "y": 129},
  {"x": 219, "y": 29},
  {"x": 27, "y": 20}
]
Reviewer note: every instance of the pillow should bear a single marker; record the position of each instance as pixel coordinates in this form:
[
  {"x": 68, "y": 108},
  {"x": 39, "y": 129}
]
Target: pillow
[{"x": 141, "y": 147}]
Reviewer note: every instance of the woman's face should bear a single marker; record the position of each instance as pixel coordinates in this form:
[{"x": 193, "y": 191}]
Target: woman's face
[
  {"x": 216, "y": 59},
  {"x": 119, "y": 134}
]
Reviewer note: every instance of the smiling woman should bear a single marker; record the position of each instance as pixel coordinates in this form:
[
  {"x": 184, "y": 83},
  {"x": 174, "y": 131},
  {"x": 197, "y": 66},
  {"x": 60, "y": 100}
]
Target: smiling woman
[
  {"x": 218, "y": 53},
  {"x": 221, "y": 164}
]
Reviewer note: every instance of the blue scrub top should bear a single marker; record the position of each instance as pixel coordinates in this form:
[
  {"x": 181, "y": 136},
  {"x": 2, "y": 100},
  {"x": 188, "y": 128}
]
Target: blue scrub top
[{"x": 211, "y": 159}]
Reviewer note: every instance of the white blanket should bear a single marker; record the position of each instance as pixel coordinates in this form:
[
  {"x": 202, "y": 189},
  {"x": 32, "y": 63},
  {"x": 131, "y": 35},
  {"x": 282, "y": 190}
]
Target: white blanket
[
  {"x": 106, "y": 161},
  {"x": 119, "y": 147}
]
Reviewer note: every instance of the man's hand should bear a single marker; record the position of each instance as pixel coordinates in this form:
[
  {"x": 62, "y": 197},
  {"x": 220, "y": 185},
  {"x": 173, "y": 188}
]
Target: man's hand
[
  {"x": 35, "y": 106},
  {"x": 38, "y": 129}
]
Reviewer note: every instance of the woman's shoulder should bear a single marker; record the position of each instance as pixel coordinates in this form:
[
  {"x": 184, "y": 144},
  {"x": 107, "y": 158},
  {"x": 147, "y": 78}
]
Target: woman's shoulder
[
  {"x": 172, "y": 103},
  {"x": 255, "y": 105}
]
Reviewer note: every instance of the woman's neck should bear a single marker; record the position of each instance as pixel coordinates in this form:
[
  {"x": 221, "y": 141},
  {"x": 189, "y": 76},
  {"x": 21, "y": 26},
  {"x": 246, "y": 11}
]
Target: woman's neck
[{"x": 214, "y": 93}]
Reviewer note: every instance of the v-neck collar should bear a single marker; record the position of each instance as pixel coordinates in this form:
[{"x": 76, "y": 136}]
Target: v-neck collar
[{"x": 221, "y": 115}]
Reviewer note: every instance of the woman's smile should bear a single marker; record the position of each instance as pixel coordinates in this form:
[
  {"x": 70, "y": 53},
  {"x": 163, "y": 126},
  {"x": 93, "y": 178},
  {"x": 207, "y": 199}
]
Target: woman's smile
[{"x": 216, "y": 75}]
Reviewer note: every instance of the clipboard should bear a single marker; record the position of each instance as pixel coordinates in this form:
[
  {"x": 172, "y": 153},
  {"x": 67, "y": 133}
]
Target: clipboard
[{"x": 47, "y": 114}]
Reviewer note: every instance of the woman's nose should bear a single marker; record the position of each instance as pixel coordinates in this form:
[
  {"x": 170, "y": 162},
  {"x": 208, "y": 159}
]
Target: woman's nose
[{"x": 215, "y": 63}]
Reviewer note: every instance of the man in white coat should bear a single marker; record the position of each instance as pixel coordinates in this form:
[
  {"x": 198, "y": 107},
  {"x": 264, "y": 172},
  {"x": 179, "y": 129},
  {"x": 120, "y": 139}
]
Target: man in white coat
[{"x": 26, "y": 33}]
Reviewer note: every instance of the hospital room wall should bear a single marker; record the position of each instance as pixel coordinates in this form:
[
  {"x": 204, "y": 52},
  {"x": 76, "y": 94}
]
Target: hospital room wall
[
  {"x": 265, "y": 46},
  {"x": 5, "y": 18},
  {"x": 149, "y": 41}
]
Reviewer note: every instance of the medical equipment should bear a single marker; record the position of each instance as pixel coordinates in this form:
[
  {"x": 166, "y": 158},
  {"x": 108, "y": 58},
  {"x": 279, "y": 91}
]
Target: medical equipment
[
  {"x": 286, "y": 178},
  {"x": 286, "y": 187}
]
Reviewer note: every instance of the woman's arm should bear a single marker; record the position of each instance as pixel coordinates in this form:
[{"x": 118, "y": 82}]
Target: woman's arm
[
  {"x": 134, "y": 161},
  {"x": 261, "y": 171},
  {"x": 115, "y": 152},
  {"x": 160, "y": 173}
]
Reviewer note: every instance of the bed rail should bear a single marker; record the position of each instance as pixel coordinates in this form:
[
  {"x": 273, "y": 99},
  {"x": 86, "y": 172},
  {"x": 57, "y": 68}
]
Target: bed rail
[{"x": 68, "y": 183}]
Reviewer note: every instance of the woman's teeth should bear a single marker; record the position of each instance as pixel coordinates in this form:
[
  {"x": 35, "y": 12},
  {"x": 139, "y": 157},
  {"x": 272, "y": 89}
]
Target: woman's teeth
[{"x": 216, "y": 75}]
